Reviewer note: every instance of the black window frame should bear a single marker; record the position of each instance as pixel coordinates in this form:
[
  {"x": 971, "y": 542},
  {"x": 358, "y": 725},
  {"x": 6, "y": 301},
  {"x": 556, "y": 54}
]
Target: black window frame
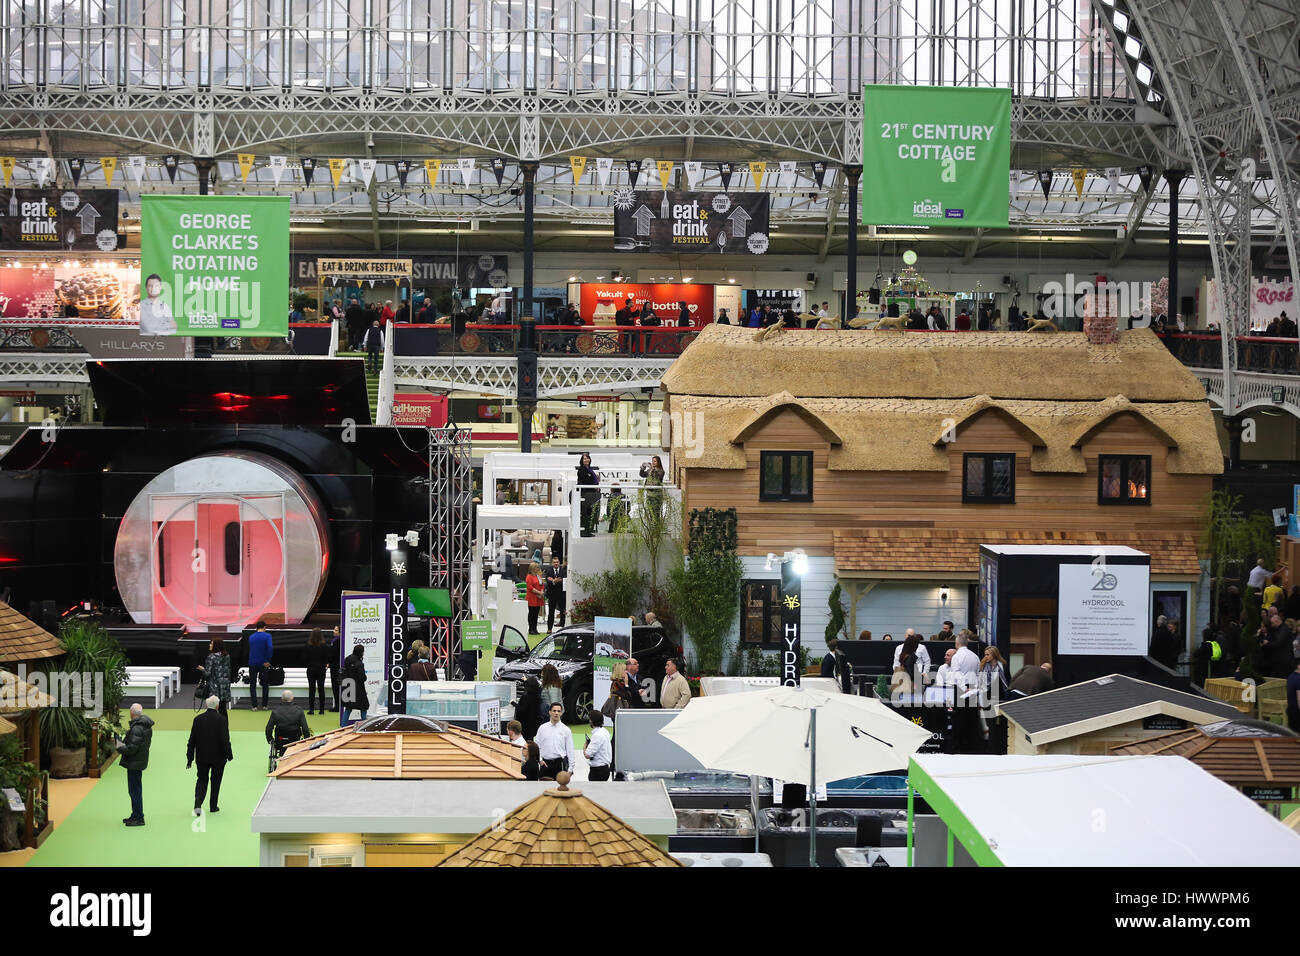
[
  {"x": 786, "y": 457},
  {"x": 1124, "y": 500},
  {"x": 771, "y": 606},
  {"x": 988, "y": 498}
]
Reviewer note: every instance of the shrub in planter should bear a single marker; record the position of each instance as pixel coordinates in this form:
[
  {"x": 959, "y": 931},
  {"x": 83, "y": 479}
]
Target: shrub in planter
[
  {"x": 586, "y": 610},
  {"x": 65, "y": 731}
]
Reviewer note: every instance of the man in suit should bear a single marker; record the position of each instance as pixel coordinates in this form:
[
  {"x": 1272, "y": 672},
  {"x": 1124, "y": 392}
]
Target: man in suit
[
  {"x": 676, "y": 692},
  {"x": 555, "y": 576},
  {"x": 210, "y": 745}
]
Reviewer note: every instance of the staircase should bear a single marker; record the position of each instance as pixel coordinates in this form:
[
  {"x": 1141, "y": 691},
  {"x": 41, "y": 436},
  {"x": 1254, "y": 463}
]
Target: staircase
[{"x": 372, "y": 384}]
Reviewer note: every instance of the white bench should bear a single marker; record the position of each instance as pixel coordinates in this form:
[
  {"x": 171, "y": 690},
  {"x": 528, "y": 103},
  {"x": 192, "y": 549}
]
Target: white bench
[
  {"x": 145, "y": 684},
  {"x": 295, "y": 679},
  {"x": 173, "y": 675}
]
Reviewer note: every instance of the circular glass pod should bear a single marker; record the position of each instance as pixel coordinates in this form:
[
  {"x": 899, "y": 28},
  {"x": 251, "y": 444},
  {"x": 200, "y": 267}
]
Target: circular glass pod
[{"x": 220, "y": 541}]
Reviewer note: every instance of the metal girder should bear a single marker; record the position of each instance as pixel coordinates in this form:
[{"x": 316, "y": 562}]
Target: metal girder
[
  {"x": 555, "y": 377},
  {"x": 1136, "y": 213},
  {"x": 1253, "y": 390},
  {"x": 37, "y": 367}
]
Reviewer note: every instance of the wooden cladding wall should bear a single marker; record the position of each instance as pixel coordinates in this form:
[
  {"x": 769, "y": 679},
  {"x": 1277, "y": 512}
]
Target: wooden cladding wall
[{"x": 931, "y": 499}]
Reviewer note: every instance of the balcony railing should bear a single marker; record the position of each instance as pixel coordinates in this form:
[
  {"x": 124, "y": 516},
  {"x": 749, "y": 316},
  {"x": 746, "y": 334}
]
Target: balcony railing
[{"x": 1255, "y": 353}]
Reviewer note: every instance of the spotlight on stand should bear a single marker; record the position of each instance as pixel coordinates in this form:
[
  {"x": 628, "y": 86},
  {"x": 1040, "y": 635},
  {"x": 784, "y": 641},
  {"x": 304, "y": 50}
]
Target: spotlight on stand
[
  {"x": 413, "y": 538},
  {"x": 390, "y": 541},
  {"x": 800, "y": 559},
  {"x": 771, "y": 562}
]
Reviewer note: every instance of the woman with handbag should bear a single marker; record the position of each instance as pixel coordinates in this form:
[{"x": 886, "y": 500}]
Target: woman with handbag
[
  {"x": 215, "y": 669},
  {"x": 354, "y": 682}
]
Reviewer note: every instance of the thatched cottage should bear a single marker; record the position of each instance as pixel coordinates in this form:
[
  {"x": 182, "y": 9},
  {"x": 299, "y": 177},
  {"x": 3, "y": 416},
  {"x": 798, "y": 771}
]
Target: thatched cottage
[{"x": 890, "y": 457}]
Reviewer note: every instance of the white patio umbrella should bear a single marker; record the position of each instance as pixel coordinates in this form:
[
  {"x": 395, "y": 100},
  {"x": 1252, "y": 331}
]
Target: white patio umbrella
[{"x": 796, "y": 734}]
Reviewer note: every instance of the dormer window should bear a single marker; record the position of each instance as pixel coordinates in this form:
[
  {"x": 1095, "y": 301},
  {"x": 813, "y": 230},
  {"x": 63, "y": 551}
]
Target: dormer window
[
  {"x": 1124, "y": 480},
  {"x": 786, "y": 476},
  {"x": 989, "y": 479}
]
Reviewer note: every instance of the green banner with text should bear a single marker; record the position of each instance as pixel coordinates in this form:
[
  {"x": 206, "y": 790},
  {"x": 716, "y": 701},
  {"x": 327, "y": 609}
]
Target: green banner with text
[
  {"x": 935, "y": 156},
  {"x": 214, "y": 265}
]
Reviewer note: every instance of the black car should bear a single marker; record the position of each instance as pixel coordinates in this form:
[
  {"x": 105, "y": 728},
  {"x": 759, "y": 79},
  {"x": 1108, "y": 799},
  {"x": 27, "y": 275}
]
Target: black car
[{"x": 572, "y": 650}]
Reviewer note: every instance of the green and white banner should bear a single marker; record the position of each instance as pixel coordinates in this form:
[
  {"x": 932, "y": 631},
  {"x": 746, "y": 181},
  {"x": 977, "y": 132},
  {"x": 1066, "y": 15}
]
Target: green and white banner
[
  {"x": 935, "y": 156},
  {"x": 214, "y": 265}
]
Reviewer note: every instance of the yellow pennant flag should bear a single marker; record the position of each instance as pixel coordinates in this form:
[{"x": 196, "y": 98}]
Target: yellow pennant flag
[
  {"x": 246, "y": 165},
  {"x": 579, "y": 165},
  {"x": 336, "y": 169},
  {"x": 756, "y": 171},
  {"x": 109, "y": 165},
  {"x": 1080, "y": 177},
  {"x": 431, "y": 169},
  {"x": 6, "y": 168},
  {"x": 665, "y": 167}
]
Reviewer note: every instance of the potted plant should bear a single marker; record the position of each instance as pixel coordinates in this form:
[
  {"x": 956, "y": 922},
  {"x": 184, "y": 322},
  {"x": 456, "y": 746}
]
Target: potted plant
[{"x": 65, "y": 731}]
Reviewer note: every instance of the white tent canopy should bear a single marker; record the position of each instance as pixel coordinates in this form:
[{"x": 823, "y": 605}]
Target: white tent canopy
[
  {"x": 1098, "y": 811},
  {"x": 524, "y": 518}
]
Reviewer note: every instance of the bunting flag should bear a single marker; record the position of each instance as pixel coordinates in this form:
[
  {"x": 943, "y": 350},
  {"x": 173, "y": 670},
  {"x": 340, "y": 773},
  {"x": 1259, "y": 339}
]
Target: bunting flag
[
  {"x": 579, "y": 166},
  {"x": 693, "y": 169},
  {"x": 245, "y": 165},
  {"x": 171, "y": 163},
  {"x": 1112, "y": 179},
  {"x": 819, "y": 173},
  {"x": 367, "y": 168},
  {"x": 1080, "y": 176},
  {"x": 135, "y": 166},
  {"x": 7, "y": 168},
  {"x": 75, "y": 166},
  {"x": 431, "y": 168},
  {"x": 604, "y": 166},
  {"x": 336, "y": 170},
  {"x": 466, "y": 169},
  {"x": 498, "y": 168},
  {"x": 756, "y": 172},
  {"x": 44, "y": 170},
  {"x": 403, "y": 167},
  {"x": 308, "y": 170},
  {"x": 787, "y": 169},
  {"x": 109, "y": 165},
  {"x": 665, "y": 169},
  {"x": 633, "y": 171},
  {"x": 1045, "y": 180},
  {"x": 1144, "y": 175},
  {"x": 278, "y": 165},
  {"x": 725, "y": 170}
]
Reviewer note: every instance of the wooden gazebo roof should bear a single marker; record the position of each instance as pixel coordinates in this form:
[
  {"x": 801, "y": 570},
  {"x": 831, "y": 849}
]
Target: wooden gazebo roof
[
  {"x": 401, "y": 748},
  {"x": 1239, "y": 759},
  {"x": 560, "y": 827},
  {"x": 6, "y": 727},
  {"x": 18, "y": 696},
  {"x": 23, "y": 640}
]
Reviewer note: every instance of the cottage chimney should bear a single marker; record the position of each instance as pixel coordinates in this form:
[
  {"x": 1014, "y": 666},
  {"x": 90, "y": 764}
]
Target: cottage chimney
[{"x": 1099, "y": 324}]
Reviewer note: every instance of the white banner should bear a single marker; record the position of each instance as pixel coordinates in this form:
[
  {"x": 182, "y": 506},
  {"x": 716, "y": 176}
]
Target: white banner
[
  {"x": 135, "y": 166},
  {"x": 693, "y": 170},
  {"x": 44, "y": 170},
  {"x": 1112, "y": 179},
  {"x": 367, "y": 170},
  {"x": 1268, "y": 300},
  {"x": 278, "y": 165},
  {"x": 1102, "y": 609},
  {"x": 364, "y": 623},
  {"x": 466, "y": 169},
  {"x": 787, "y": 168},
  {"x": 604, "y": 165}
]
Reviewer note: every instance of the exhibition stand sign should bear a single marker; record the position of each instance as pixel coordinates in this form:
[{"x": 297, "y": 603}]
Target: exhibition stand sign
[
  {"x": 477, "y": 636},
  {"x": 613, "y": 643},
  {"x": 214, "y": 265},
  {"x": 664, "y": 297},
  {"x": 54, "y": 221},
  {"x": 364, "y": 622},
  {"x": 1102, "y": 608},
  {"x": 935, "y": 155},
  {"x": 672, "y": 221}
]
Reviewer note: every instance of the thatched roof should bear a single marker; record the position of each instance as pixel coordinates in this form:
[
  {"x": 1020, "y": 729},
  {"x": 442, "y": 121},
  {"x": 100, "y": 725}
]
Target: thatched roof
[
  {"x": 560, "y": 827},
  {"x": 1258, "y": 760},
  {"x": 928, "y": 551},
  {"x": 6, "y": 727},
  {"x": 902, "y": 434},
  {"x": 725, "y": 360},
  {"x": 18, "y": 696},
  {"x": 401, "y": 748},
  {"x": 23, "y": 640}
]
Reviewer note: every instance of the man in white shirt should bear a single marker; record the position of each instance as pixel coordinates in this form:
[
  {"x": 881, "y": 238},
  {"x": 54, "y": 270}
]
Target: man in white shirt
[
  {"x": 943, "y": 675},
  {"x": 598, "y": 752},
  {"x": 824, "y": 311},
  {"x": 554, "y": 744},
  {"x": 965, "y": 666},
  {"x": 1259, "y": 575},
  {"x": 922, "y": 655},
  {"x": 515, "y": 734}
]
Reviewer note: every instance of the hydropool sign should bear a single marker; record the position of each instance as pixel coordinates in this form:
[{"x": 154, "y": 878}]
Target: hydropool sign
[
  {"x": 1102, "y": 608},
  {"x": 935, "y": 156},
  {"x": 215, "y": 265}
]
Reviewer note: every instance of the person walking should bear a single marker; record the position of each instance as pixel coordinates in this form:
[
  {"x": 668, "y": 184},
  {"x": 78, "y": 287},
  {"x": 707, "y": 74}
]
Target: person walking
[
  {"x": 333, "y": 661},
  {"x": 355, "y": 320},
  {"x": 318, "y": 653},
  {"x": 209, "y": 744},
  {"x": 555, "y": 744},
  {"x": 216, "y": 671},
  {"x": 555, "y": 576},
  {"x": 536, "y": 596},
  {"x": 353, "y": 686},
  {"x": 528, "y": 708},
  {"x": 676, "y": 692},
  {"x": 260, "y": 649},
  {"x": 598, "y": 751},
  {"x": 373, "y": 346},
  {"x": 134, "y": 748}
]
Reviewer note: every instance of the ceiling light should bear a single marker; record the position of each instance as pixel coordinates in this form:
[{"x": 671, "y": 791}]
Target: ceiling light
[
  {"x": 390, "y": 541},
  {"x": 688, "y": 278}
]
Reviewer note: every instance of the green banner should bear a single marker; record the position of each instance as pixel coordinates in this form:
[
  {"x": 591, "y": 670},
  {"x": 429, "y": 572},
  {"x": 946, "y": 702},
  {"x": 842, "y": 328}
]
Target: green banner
[
  {"x": 935, "y": 156},
  {"x": 214, "y": 265},
  {"x": 477, "y": 636}
]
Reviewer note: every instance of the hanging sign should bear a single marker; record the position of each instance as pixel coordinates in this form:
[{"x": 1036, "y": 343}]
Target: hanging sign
[
  {"x": 665, "y": 170},
  {"x": 578, "y": 164},
  {"x": 756, "y": 172},
  {"x": 367, "y": 168},
  {"x": 633, "y": 171},
  {"x": 44, "y": 170},
  {"x": 693, "y": 169},
  {"x": 7, "y": 168},
  {"x": 336, "y": 170},
  {"x": 135, "y": 167},
  {"x": 278, "y": 165},
  {"x": 673, "y": 221},
  {"x": 171, "y": 163},
  {"x": 431, "y": 168},
  {"x": 245, "y": 165},
  {"x": 1080, "y": 176},
  {"x": 466, "y": 169},
  {"x": 791, "y": 619},
  {"x": 308, "y": 170},
  {"x": 498, "y": 168},
  {"x": 725, "y": 170},
  {"x": 109, "y": 165},
  {"x": 604, "y": 166},
  {"x": 75, "y": 167},
  {"x": 403, "y": 169},
  {"x": 819, "y": 173},
  {"x": 56, "y": 220}
]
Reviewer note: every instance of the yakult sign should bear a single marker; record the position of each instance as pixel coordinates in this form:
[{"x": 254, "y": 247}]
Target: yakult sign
[{"x": 663, "y": 297}]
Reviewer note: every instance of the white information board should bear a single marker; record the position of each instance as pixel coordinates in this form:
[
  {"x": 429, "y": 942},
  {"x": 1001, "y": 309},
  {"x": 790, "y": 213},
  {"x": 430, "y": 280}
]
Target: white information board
[{"x": 1104, "y": 608}]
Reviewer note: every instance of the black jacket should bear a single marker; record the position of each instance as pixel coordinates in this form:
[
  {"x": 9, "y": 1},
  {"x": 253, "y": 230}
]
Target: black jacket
[
  {"x": 135, "y": 745},
  {"x": 288, "y": 722},
  {"x": 1164, "y": 647},
  {"x": 355, "y": 671},
  {"x": 209, "y": 739},
  {"x": 557, "y": 586},
  {"x": 318, "y": 658}
]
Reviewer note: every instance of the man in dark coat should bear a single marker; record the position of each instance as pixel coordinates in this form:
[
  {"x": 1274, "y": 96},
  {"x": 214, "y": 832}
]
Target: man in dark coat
[
  {"x": 1031, "y": 679},
  {"x": 287, "y": 722},
  {"x": 355, "y": 320},
  {"x": 209, "y": 744},
  {"x": 1164, "y": 644},
  {"x": 134, "y": 748}
]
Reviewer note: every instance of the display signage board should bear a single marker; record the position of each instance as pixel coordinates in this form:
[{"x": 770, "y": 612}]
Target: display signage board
[
  {"x": 215, "y": 265},
  {"x": 128, "y": 343},
  {"x": 462, "y": 272},
  {"x": 103, "y": 292},
  {"x": 489, "y": 717},
  {"x": 396, "y": 671},
  {"x": 1163, "y": 722},
  {"x": 988, "y": 616},
  {"x": 780, "y": 299},
  {"x": 791, "y": 618},
  {"x": 1102, "y": 608},
  {"x": 477, "y": 636},
  {"x": 673, "y": 221},
  {"x": 663, "y": 297},
  {"x": 420, "y": 408},
  {"x": 363, "y": 623},
  {"x": 613, "y": 643},
  {"x": 1269, "y": 794},
  {"x": 56, "y": 221},
  {"x": 936, "y": 156},
  {"x": 364, "y": 268}
]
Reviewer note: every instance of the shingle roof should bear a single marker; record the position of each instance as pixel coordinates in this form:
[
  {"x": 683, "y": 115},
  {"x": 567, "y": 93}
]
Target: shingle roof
[
  {"x": 18, "y": 696},
  {"x": 1261, "y": 759},
  {"x": 560, "y": 827},
  {"x": 957, "y": 549},
  {"x": 6, "y": 727},
  {"x": 1115, "y": 699},
  {"x": 22, "y": 640}
]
